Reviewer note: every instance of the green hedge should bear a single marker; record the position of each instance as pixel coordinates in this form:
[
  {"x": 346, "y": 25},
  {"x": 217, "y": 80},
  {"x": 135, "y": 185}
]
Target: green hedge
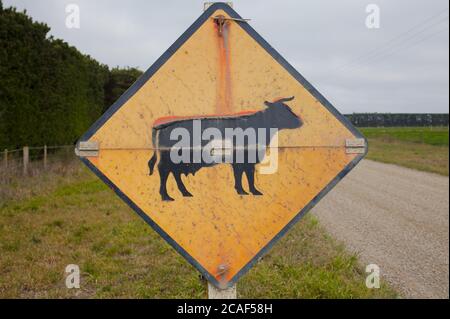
[{"x": 50, "y": 93}]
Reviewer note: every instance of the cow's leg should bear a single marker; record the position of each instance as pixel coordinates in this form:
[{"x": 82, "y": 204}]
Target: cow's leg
[
  {"x": 163, "y": 175},
  {"x": 180, "y": 185},
  {"x": 238, "y": 171},
  {"x": 250, "y": 172}
]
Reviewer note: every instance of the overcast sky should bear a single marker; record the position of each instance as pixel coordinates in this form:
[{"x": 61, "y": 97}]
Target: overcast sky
[{"x": 400, "y": 67}]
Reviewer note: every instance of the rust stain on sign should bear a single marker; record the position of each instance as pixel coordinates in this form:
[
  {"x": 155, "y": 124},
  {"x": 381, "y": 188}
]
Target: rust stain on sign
[
  {"x": 224, "y": 98},
  {"x": 222, "y": 217}
]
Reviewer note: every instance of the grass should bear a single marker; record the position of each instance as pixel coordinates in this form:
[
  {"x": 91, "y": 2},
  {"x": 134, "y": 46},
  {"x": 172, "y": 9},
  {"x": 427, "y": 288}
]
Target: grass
[
  {"x": 75, "y": 219},
  {"x": 421, "y": 148}
]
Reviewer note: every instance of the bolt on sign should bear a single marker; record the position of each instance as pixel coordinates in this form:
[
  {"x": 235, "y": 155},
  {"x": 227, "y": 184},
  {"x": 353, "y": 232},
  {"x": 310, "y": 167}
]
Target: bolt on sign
[{"x": 221, "y": 146}]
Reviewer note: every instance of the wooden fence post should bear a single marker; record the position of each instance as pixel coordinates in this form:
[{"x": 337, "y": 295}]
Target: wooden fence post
[
  {"x": 26, "y": 159},
  {"x": 45, "y": 157},
  {"x": 5, "y": 158}
]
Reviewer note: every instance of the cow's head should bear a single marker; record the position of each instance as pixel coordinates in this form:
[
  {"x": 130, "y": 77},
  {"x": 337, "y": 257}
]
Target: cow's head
[{"x": 281, "y": 116}]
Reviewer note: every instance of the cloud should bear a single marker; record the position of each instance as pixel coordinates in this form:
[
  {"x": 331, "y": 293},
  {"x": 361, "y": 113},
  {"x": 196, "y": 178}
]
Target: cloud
[{"x": 321, "y": 38}]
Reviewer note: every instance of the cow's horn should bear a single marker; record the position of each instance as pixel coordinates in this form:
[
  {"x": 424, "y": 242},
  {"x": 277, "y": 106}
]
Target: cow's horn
[{"x": 286, "y": 99}]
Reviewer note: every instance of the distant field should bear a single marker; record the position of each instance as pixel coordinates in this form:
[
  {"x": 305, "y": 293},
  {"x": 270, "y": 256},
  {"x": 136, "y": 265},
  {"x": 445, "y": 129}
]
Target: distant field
[
  {"x": 437, "y": 136},
  {"x": 50, "y": 221},
  {"x": 422, "y": 148}
]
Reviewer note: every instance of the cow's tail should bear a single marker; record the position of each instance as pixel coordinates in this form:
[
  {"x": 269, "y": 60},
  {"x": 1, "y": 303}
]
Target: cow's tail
[{"x": 152, "y": 161}]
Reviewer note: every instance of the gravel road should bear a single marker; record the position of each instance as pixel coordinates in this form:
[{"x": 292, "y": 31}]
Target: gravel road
[{"x": 397, "y": 218}]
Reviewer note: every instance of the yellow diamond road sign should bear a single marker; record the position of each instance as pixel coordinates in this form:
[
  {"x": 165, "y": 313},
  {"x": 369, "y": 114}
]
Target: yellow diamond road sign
[{"x": 221, "y": 146}]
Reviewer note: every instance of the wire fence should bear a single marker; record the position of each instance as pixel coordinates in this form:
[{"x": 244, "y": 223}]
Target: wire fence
[
  {"x": 33, "y": 160},
  {"x": 29, "y": 170}
]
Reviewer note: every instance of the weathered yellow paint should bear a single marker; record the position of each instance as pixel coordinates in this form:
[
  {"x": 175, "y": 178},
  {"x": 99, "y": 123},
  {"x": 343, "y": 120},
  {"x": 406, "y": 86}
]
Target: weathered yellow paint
[
  {"x": 217, "y": 226},
  {"x": 187, "y": 84}
]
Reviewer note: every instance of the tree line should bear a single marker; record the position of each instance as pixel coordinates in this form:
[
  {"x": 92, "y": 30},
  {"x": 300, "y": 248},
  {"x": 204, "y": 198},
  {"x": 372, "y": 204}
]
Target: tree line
[
  {"x": 398, "y": 120},
  {"x": 50, "y": 93}
]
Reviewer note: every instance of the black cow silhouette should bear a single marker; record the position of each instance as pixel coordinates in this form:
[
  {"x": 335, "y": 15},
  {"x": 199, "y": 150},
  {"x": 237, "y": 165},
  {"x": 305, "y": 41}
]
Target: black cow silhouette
[{"x": 276, "y": 115}]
